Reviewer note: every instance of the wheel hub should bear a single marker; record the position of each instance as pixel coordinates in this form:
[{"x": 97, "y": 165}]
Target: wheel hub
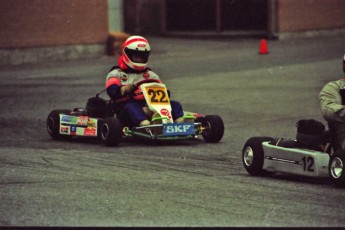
[
  {"x": 105, "y": 131},
  {"x": 248, "y": 156},
  {"x": 337, "y": 167}
]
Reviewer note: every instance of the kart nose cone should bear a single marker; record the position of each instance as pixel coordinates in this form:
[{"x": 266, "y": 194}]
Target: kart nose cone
[
  {"x": 248, "y": 156},
  {"x": 337, "y": 167}
]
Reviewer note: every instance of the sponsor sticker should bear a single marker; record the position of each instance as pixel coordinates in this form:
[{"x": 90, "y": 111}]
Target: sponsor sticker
[
  {"x": 146, "y": 75},
  {"x": 141, "y": 45},
  {"x": 64, "y": 130},
  {"x": 89, "y": 131},
  {"x": 69, "y": 119},
  {"x": 166, "y": 113},
  {"x": 82, "y": 120},
  {"x": 73, "y": 130},
  {"x": 92, "y": 122},
  {"x": 178, "y": 129},
  {"x": 80, "y": 131}
]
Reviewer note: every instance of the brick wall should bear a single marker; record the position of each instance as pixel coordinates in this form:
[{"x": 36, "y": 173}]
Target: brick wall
[
  {"x": 303, "y": 15},
  {"x": 39, "y": 23}
]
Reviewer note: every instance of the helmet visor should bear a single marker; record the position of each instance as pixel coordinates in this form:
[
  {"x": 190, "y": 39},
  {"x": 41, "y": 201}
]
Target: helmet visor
[{"x": 137, "y": 56}]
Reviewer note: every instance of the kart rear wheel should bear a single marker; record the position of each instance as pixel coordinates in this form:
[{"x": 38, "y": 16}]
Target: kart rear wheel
[
  {"x": 53, "y": 124},
  {"x": 253, "y": 156},
  {"x": 213, "y": 128},
  {"x": 336, "y": 168},
  {"x": 110, "y": 131}
]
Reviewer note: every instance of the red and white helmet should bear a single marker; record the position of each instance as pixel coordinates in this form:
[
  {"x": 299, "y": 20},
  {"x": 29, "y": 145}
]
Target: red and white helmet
[{"x": 136, "y": 51}]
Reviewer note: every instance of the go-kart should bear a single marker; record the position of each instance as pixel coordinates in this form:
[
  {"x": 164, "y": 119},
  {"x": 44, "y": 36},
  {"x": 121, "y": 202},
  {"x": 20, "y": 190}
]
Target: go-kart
[
  {"x": 310, "y": 154},
  {"x": 101, "y": 120}
]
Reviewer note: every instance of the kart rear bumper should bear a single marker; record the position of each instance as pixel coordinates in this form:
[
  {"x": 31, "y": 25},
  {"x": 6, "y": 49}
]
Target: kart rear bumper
[{"x": 295, "y": 161}]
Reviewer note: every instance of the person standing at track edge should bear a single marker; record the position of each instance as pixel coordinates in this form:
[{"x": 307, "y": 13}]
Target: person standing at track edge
[
  {"x": 121, "y": 83},
  {"x": 332, "y": 102}
]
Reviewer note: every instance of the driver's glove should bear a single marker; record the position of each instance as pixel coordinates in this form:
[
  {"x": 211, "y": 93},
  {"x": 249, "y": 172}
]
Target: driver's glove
[{"x": 128, "y": 89}]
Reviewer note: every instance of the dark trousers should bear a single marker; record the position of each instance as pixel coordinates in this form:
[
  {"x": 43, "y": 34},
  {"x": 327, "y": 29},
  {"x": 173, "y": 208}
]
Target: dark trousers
[{"x": 133, "y": 111}]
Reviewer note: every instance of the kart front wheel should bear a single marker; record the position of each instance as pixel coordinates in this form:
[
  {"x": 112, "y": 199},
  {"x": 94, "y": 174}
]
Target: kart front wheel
[
  {"x": 253, "y": 156},
  {"x": 53, "y": 124},
  {"x": 110, "y": 131},
  {"x": 336, "y": 168},
  {"x": 213, "y": 128}
]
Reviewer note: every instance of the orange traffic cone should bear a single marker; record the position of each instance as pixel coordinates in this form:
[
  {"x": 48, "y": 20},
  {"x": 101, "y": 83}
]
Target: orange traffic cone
[{"x": 263, "y": 47}]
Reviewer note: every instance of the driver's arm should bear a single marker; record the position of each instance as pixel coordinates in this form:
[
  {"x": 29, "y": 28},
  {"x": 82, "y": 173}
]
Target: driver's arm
[
  {"x": 331, "y": 102},
  {"x": 114, "y": 87},
  {"x": 113, "y": 84}
]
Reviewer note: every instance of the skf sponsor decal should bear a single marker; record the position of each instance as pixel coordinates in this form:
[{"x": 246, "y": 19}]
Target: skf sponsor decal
[{"x": 178, "y": 129}]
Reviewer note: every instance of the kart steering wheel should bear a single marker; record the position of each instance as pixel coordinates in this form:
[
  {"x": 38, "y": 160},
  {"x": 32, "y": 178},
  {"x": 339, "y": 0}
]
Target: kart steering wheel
[{"x": 150, "y": 80}]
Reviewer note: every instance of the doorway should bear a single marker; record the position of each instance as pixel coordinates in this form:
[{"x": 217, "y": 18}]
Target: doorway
[{"x": 216, "y": 15}]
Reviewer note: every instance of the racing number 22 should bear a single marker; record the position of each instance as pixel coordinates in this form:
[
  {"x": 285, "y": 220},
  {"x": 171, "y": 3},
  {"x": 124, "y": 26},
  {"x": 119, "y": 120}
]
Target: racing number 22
[
  {"x": 158, "y": 96},
  {"x": 308, "y": 163}
]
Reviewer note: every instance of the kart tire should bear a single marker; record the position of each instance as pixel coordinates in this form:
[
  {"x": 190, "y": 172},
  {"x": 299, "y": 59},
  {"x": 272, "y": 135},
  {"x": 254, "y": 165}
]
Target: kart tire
[
  {"x": 336, "y": 168},
  {"x": 110, "y": 131},
  {"x": 253, "y": 156},
  {"x": 213, "y": 128},
  {"x": 53, "y": 124},
  {"x": 100, "y": 123}
]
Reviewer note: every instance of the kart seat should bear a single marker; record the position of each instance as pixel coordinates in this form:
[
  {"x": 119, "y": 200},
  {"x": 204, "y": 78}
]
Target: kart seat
[
  {"x": 288, "y": 143},
  {"x": 285, "y": 143},
  {"x": 332, "y": 137},
  {"x": 96, "y": 107}
]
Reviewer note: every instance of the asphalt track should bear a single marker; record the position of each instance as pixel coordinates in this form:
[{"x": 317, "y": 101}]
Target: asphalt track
[{"x": 44, "y": 182}]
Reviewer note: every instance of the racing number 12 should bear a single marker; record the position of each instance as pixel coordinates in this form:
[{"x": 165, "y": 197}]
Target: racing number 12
[{"x": 308, "y": 163}]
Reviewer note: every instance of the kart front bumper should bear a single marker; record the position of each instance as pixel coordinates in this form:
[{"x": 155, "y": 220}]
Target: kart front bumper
[{"x": 173, "y": 131}]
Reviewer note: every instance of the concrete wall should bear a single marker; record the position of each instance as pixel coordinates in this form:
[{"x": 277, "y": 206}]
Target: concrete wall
[
  {"x": 38, "y": 23},
  {"x": 304, "y": 15},
  {"x": 115, "y": 16}
]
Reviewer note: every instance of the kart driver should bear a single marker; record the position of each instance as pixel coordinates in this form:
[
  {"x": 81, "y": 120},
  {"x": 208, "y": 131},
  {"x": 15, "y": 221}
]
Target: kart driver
[
  {"x": 332, "y": 102},
  {"x": 121, "y": 83}
]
